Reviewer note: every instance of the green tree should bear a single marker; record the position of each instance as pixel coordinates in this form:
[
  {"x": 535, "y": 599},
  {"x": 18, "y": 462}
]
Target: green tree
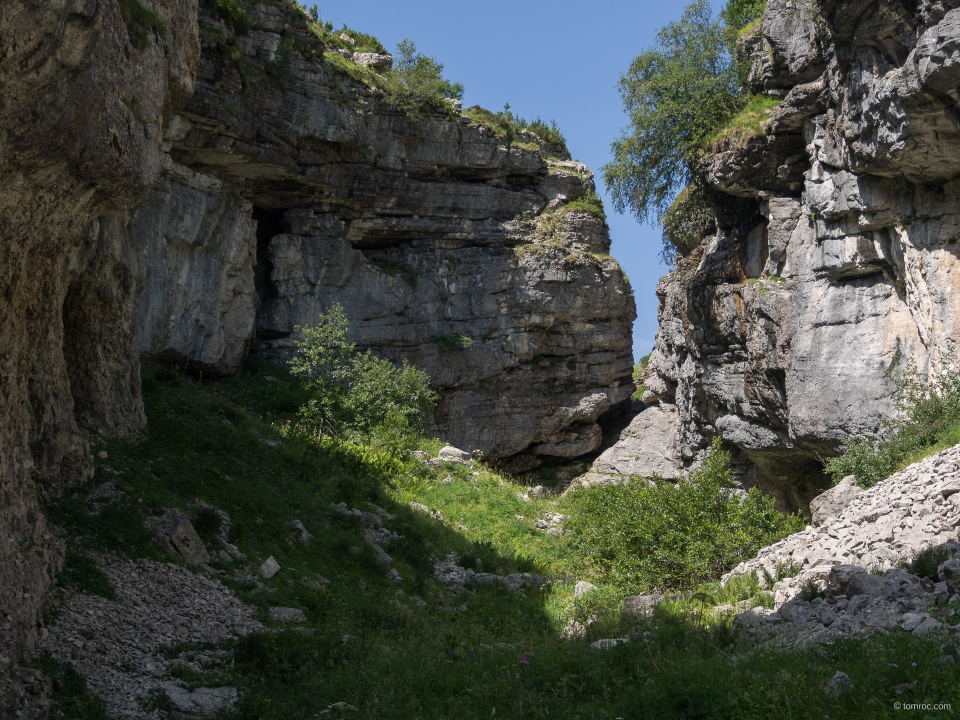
[
  {"x": 360, "y": 392},
  {"x": 324, "y": 358},
  {"x": 416, "y": 82},
  {"x": 739, "y": 13},
  {"x": 676, "y": 93}
]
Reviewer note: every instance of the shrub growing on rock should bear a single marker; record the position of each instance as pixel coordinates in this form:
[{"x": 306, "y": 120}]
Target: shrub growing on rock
[
  {"x": 643, "y": 537},
  {"x": 359, "y": 392},
  {"x": 928, "y": 420},
  {"x": 416, "y": 83}
]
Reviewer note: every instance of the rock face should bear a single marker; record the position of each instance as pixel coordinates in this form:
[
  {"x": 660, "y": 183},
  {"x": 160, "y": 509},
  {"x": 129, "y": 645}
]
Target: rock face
[
  {"x": 836, "y": 259},
  {"x": 447, "y": 244},
  {"x": 192, "y": 195},
  {"x": 86, "y": 92}
]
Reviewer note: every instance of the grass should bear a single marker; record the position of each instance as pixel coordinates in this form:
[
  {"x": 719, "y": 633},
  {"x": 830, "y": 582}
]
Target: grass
[
  {"x": 745, "y": 125},
  {"x": 70, "y": 696},
  {"x": 230, "y": 443},
  {"x": 82, "y": 574},
  {"x": 590, "y": 204}
]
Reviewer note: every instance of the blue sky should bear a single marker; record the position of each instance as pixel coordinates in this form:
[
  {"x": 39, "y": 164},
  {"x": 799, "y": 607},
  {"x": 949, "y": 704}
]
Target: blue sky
[{"x": 560, "y": 60}]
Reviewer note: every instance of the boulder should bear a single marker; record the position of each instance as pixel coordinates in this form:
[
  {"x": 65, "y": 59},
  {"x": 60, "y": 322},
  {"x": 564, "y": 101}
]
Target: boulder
[
  {"x": 374, "y": 61},
  {"x": 305, "y": 537},
  {"x": 202, "y": 701},
  {"x": 269, "y": 568},
  {"x": 641, "y": 605},
  {"x": 645, "y": 448},
  {"x": 179, "y": 534},
  {"x": 454, "y": 455},
  {"x": 949, "y": 572},
  {"x": 583, "y": 587},
  {"x": 287, "y": 615},
  {"x": 832, "y": 502}
]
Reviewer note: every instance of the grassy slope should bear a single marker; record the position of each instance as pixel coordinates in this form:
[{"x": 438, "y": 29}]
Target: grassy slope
[{"x": 215, "y": 441}]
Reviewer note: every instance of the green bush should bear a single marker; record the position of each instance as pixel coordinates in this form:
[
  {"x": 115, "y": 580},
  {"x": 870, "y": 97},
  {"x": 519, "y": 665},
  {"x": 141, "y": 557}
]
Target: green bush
[
  {"x": 926, "y": 563},
  {"x": 416, "y": 84},
  {"x": 642, "y": 537},
  {"x": 231, "y": 12},
  {"x": 928, "y": 420},
  {"x": 359, "y": 392},
  {"x": 547, "y": 133}
]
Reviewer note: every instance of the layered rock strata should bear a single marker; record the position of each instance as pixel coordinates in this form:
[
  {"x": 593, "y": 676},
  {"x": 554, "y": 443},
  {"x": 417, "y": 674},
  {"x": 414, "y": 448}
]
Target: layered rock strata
[
  {"x": 140, "y": 216},
  {"x": 836, "y": 259},
  {"x": 447, "y": 242}
]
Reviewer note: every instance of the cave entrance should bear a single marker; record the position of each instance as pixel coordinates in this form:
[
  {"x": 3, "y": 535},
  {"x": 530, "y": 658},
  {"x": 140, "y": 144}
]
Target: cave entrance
[{"x": 269, "y": 225}]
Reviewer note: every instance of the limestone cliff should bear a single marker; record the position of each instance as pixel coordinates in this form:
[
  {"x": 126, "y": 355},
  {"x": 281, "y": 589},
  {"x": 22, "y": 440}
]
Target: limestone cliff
[
  {"x": 446, "y": 241},
  {"x": 80, "y": 116},
  {"x": 179, "y": 190},
  {"x": 836, "y": 257}
]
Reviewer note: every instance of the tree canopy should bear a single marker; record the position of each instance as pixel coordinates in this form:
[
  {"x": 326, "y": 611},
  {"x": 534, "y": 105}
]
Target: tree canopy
[{"x": 678, "y": 93}]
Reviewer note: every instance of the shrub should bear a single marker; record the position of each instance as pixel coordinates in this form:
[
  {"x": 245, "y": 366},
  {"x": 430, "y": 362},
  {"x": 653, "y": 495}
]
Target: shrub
[
  {"x": 926, "y": 563},
  {"x": 547, "y": 133},
  {"x": 232, "y": 12},
  {"x": 359, "y": 391},
  {"x": 928, "y": 419},
  {"x": 642, "y": 537},
  {"x": 416, "y": 83}
]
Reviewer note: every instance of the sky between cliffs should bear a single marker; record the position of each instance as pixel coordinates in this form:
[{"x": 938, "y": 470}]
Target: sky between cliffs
[{"x": 558, "y": 59}]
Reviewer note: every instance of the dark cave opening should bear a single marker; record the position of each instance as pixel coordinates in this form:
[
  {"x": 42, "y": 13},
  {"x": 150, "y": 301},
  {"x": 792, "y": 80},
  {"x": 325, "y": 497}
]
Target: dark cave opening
[{"x": 269, "y": 225}]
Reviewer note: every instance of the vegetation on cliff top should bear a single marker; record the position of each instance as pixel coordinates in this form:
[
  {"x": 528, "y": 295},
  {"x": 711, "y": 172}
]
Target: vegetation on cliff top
[{"x": 680, "y": 95}]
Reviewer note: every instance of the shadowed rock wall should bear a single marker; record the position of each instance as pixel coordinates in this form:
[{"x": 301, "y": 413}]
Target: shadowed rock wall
[
  {"x": 81, "y": 114},
  {"x": 448, "y": 242}
]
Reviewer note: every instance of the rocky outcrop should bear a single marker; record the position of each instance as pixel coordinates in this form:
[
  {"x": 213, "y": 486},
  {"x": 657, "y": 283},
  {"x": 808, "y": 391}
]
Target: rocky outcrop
[
  {"x": 836, "y": 257},
  {"x": 447, "y": 243},
  {"x": 86, "y": 92},
  {"x": 193, "y": 205},
  {"x": 912, "y": 511},
  {"x": 646, "y": 448},
  {"x": 855, "y": 560}
]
